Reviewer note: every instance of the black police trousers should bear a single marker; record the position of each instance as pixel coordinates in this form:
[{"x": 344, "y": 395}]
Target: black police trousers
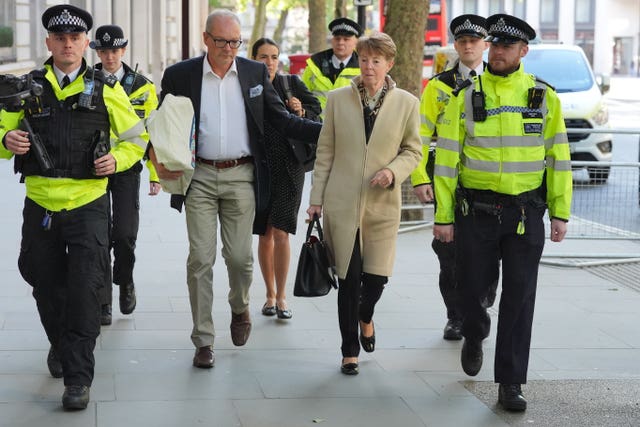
[
  {"x": 446, "y": 252},
  {"x": 124, "y": 189},
  {"x": 482, "y": 240},
  {"x": 65, "y": 265},
  {"x": 358, "y": 294}
]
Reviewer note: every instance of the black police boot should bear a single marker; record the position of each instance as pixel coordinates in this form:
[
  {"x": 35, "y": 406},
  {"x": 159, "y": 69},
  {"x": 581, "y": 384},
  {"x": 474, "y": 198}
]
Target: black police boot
[
  {"x": 75, "y": 397},
  {"x": 105, "y": 314},
  {"x": 127, "y": 298},
  {"x": 54, "y": 364},
  {"x": 453, "y": 330},
  {"x": 511, "y": 398},
  {"x": 471, "y": 356}
]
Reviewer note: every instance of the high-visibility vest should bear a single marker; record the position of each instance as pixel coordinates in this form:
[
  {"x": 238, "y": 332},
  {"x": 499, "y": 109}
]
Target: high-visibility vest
[{"x": 509, "y": 151}]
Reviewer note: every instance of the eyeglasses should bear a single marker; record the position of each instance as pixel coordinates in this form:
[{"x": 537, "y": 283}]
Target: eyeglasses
[{"x": 221, "y": 43}]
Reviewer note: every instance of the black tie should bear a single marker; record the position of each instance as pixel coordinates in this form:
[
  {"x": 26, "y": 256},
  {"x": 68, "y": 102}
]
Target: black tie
[
  {"x": 472, "y": 73},
  {"x": 341, "y": 66},
  {"x": 65, "y": 81}
]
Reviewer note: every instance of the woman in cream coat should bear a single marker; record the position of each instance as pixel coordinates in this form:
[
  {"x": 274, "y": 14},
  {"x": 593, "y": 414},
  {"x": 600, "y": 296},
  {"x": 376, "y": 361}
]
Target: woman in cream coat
[{"x": 368, "y": 145}]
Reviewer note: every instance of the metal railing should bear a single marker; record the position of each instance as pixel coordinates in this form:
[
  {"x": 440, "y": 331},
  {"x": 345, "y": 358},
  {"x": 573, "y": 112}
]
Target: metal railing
[{"x": 605, "y": 203}]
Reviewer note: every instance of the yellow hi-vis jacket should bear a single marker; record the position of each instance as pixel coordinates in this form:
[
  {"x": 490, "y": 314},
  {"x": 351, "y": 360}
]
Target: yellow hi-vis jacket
[
  {"x": 144, "y": 100},
  {"x": 319, "y": 84},
  {"x": 56, "y": 194},
  {"x": 434, "y": 99},
  {"x": 507, "y": 153}
]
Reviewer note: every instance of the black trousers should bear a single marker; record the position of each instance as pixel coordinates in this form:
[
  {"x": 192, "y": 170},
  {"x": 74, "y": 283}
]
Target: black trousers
[
  {"x": 358, "y": 294},
  {"x": 482, "y": 240},
  {"x": 447, "y": 281},
  {"x": 124, "y": 189},
  {"x": 65, "y": 266}
]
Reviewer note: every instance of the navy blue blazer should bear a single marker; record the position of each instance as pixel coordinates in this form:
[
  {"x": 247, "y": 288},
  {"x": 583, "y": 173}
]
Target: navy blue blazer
[{"x": 185, "y": 79}]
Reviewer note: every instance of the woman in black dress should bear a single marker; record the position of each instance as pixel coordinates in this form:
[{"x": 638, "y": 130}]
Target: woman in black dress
[{"x": 287, "y": 179}]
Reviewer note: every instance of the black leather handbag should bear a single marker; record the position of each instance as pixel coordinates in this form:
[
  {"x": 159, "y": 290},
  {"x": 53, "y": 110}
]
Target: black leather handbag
[{"x": 315, "y": 275}]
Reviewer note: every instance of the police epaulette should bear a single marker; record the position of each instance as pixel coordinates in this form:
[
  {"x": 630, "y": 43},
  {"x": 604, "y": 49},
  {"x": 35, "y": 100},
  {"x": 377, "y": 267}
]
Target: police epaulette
[
  {"x": 447, "y": 77},
  {"x": 109, "y": 80},
  {"x": 463, "y": 85},
  {"x": 538, "y": 79}
]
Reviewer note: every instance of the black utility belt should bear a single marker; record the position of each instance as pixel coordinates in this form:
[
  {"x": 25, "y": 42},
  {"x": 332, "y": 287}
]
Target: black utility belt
[{"x": 493, "y": 198}]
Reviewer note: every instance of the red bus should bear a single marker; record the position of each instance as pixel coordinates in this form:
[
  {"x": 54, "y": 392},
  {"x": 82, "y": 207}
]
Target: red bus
[{"x": 435, "y": 32}]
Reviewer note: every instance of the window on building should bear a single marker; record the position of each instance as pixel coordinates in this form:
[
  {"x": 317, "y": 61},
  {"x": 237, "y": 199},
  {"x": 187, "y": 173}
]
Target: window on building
[
  {"x": 520, "y": 9},
  {"x": 7, "y": 31},
  {"x": 549, "y": 12},
  {"x": 496, "y": 6},
  {"x": 584, "y": 11},
  {"x": 470, "y": 6},
  {"x": 548, "y": 20}
]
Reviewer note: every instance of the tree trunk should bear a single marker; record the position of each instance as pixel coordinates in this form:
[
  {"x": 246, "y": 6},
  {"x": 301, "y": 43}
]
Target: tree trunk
[
  {"x": 279, "y": 30},
  {"x": 317, "y": 25},
  {"x": 259, "y": 21},
  {"x": 340, "y": 10},
  {"x": 405, "y": 23}
]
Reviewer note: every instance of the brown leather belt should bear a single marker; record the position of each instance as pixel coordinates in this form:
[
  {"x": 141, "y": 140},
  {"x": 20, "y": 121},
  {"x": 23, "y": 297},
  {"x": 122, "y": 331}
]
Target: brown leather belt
[{"x": 224, "y": 164}]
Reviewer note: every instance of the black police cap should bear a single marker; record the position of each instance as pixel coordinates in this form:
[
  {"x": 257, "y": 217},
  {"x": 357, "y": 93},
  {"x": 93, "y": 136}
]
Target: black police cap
[
  {"x": 468, "y": 25},
  {"x": 66, "y": 18},
  {"x": 109, "y": 37},
  {"x": 508, "y": 29},
  {"x": 345, "y": 27}
]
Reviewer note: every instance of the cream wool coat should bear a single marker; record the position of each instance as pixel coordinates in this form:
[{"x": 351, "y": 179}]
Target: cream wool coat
[{"x": 345, "y": 164}]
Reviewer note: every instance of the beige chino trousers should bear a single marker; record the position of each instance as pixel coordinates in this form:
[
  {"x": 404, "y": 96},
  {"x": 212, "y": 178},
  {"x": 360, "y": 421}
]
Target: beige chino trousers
[{"x": 227, "y": 196}]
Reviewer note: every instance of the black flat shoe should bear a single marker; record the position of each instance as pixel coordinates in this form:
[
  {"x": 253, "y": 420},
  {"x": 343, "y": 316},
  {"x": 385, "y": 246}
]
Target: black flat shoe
[
  {"x": 268, "y": 310},
  {"x": 284, "y": 314},
  {"x": 368, "y": 343},
  {"x": 349, "y": 368}
]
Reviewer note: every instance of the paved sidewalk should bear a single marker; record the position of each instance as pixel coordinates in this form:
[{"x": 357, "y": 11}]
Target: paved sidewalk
[{"x": 585, "y": 349}]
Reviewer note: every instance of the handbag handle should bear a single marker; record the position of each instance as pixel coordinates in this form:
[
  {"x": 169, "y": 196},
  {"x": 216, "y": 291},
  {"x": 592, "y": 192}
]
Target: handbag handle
[{"x": 315, "y": 222}]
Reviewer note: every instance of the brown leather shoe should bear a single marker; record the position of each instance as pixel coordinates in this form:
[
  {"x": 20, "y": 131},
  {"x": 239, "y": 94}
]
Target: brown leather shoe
[
  {"x": 204, "y": 357},
  {"x": 240, "y": 328}
]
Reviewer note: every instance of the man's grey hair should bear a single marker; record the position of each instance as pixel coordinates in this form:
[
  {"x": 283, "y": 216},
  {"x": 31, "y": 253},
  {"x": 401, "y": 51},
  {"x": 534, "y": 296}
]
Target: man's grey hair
[{"x": 220, "y": 13}]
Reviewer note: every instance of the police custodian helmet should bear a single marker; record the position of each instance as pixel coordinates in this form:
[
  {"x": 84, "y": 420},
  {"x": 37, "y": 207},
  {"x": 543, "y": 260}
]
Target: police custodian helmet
[
  {"x": 345, "y": 27},
  {"x": 66, "y": 18},
  {"x": 508, "y": 29},
  {"x": 468, "y": 25},
  {"x": 109, "y": 37}
]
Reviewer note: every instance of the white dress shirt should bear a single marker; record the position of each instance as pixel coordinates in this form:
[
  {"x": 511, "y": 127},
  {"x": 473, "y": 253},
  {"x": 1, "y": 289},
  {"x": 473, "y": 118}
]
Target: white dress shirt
[{"x": 223, "y": 133}]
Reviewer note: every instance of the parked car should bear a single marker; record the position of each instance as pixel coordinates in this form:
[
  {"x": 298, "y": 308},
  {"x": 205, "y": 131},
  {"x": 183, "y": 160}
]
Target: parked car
[{"x": 566, "y": 68}]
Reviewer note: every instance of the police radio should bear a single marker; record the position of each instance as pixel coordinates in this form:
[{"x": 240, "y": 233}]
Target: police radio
[
  {"x": 129, "y": 80},
  {"x": 86, "y": 97},
  {"x": 478, "y": 105}
]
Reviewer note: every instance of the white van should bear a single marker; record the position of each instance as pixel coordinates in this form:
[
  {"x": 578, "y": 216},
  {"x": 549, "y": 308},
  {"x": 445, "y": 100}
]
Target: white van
[{"x": 566, "y": 68}]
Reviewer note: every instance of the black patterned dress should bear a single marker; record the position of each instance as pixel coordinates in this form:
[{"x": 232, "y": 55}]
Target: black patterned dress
[{"x": 287, "y": 173}]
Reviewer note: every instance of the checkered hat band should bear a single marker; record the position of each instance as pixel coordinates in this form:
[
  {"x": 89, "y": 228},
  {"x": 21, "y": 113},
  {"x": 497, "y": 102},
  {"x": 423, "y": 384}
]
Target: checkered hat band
[
  {"x": 501, "y": 27},
  {"x": 467, "y": 27},
  {"x": 116, "y": 43},
  {"x": 66, "y": 19},
  {"x": 344, "y": 27}
]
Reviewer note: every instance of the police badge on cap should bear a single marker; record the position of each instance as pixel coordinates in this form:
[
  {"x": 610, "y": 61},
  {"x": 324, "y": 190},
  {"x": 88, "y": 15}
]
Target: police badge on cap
[
  {"x": 109, "y": 37},
  {"x": 468, "y": 25},
  {"x": 508, "y": 29},
  {"x": 344, "y": 27},
  {"x": 65, "y": 18}
]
